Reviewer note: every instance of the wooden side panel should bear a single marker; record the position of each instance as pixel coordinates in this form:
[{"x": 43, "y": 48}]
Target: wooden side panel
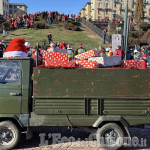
[
  {"x": 85, "y": 83},
  {"x": 59, "y": 107},
  {"x": 126, "y": 107}
]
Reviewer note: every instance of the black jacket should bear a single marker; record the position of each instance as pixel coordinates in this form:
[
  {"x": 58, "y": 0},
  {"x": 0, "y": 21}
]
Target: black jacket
[{"x": 49, "y": 36}]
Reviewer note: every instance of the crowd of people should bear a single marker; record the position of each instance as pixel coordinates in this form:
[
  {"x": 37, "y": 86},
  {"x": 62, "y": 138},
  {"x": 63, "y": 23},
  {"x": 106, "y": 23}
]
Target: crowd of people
[
  {"x": 61, "y": 17},
  {"x": 133, "y": 53}
]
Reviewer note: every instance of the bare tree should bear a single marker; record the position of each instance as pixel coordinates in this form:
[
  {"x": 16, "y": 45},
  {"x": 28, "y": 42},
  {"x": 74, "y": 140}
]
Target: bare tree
[{"x": 139, "y": 12}]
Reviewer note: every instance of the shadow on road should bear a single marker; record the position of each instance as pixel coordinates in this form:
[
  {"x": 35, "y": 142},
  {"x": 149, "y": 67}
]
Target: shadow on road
[{"x": 77, "y": 134}]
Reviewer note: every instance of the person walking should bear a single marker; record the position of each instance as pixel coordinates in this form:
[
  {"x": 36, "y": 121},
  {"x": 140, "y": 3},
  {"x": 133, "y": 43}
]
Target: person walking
[
  {"x": 104, "y": 35},
  {"x": 49, "y": 37},
  {"x": 4, "y": 31}
]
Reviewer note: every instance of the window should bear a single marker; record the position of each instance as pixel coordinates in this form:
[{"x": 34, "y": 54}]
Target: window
[
  {"x": 99, "y": 5},
  {"x": 99, "y": 12},
  {"x": 132, "y": 5},
  {"x": 121, "y": 6},
  {"x": 115, "y": 5},
  {"x": 149, "y": 12},
  {"x": 106, "y": 12},
  {"x": 106, "y": 5},
  {"x": 20, "y": 6},
  {"x": 10, "y": 71}
]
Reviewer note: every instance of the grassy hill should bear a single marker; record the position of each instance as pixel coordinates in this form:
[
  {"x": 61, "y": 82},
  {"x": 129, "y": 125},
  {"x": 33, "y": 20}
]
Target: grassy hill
[{"x": 59, "y": 33}]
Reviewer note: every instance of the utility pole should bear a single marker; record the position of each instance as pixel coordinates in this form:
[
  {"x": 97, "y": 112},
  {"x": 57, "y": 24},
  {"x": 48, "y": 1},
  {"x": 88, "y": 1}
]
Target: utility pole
[{"x": 125, "y": 34}]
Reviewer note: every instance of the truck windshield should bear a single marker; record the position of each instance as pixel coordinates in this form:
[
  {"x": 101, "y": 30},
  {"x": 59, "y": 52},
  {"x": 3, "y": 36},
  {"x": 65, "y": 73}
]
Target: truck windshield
[{"x": 10, "y": 71}]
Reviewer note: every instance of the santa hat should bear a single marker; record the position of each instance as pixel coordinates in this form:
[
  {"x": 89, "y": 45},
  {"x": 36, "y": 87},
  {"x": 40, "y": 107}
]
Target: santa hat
[
  {"x": 110, "y": 46},
  {"x": 16, "y": 48},
  {"x": 80, "y": 45}
]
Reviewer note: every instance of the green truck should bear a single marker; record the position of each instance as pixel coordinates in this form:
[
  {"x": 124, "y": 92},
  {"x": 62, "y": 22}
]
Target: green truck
[{"x": 103, "y": 101}]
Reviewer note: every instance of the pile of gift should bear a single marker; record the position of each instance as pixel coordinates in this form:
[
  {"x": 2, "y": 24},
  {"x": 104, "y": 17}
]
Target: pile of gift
[
  {"x": 57, "y": 60},
  {"x": 90, "y": 59}
]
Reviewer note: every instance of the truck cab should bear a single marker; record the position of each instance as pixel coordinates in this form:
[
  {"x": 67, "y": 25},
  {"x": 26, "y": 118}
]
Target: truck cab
[{"x": 15, "y": 92}]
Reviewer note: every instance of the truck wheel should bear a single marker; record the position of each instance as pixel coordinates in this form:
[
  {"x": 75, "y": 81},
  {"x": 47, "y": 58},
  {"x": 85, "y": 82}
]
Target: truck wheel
[
  {"x": 110, "y": 136},
  {"x": 9, "y": 135}
]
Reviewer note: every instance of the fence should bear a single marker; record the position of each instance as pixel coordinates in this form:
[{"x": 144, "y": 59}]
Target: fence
[{"x": 95, "y": 29}]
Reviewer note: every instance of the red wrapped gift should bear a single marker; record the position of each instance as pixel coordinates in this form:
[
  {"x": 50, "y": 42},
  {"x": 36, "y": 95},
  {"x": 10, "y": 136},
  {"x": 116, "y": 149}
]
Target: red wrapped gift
[
  {"x": 55, "y": 56},
  {"x": 132, "y": 64},
  {"x": 86, "y": 55},
  {"x": 86, "y": 64},
  {"x": 59, "y": 64}
]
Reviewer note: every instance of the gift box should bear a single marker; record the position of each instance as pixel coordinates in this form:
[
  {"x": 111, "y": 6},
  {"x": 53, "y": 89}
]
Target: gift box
[
  {"x": 55, "y": 56},
  {"x": 132, "y": 64},
  {"x": 58, "y": 50},
  {"x": 59, "y": 64},
  {"x": 107, "y": 61},
  {"x": 86, "y": 55},
  {"x": 86, "y": 64}
]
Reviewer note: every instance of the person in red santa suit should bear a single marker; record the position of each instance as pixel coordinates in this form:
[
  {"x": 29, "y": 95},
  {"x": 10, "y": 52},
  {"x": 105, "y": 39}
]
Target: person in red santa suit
[
  {"x": 31, "y": 23},
  {"x": 119, "y": 51},
  {"x": 16, "y": 48},
  {"x": 15, "y": 24},
  {"x": 27, "y": 23},
  {"x": 12, "y": 22},
  {"x": 15, "y": 16}
]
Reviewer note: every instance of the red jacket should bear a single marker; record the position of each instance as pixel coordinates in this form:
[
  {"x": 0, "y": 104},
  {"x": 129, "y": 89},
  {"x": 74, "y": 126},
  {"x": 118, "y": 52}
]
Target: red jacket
[
  {"x": 119, "y": 52},
  {"x": 15, "y": 24},
  {"x": 27, "y": 22}
]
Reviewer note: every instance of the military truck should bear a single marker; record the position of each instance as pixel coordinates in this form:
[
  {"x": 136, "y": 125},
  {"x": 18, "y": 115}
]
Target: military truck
[{"x": 103, "y": 101}]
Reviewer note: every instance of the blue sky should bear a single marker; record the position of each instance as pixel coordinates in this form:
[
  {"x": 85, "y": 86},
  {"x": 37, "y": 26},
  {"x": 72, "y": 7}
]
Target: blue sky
[{"x": 62, "y": 6}]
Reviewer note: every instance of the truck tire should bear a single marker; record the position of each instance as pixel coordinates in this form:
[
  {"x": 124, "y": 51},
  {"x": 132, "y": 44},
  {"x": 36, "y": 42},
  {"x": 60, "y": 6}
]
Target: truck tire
[
  {"x": 9, "y": 135},
  {"x": 110, "y": 136}
]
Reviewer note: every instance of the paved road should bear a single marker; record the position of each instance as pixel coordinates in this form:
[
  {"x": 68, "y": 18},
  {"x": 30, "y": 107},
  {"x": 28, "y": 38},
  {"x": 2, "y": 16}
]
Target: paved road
[{"x": 76, "y": 145}]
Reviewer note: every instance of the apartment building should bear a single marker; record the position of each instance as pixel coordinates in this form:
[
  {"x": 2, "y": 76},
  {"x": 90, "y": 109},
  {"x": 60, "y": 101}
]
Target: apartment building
[
  {"x": 113, "y": 8},
  {"x": 17, "y": 8},
  {"x": 4, "y": 7},
  {"x": 12, "y": 8}
]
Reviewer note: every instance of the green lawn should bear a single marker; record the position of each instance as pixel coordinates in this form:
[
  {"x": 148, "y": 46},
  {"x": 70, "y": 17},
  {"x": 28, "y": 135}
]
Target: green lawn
[{"x": 86, "y": 37}]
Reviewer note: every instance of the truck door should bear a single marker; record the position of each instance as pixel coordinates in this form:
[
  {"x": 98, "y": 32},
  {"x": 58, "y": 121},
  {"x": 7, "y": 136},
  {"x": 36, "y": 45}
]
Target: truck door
[{"x": 10, "y": 87}]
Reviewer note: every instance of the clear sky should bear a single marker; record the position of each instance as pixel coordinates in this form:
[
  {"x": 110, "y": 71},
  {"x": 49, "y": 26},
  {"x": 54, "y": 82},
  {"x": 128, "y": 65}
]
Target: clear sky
[{"x": 62, "y": 6}]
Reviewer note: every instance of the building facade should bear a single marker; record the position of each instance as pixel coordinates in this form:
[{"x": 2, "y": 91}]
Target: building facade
[
  {"x": 101, "y": 9},
  {"x": 12, "y": 8},
  {"x": 4, "y": 7},
  {"x": 17, "y": 8}
]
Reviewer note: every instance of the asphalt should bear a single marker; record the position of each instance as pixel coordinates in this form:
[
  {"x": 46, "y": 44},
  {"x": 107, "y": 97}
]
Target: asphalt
[{"x": 62, "y": 138}]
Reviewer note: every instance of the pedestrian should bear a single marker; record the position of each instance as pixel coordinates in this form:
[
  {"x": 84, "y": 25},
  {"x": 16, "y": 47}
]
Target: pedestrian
[
  {"x": 1, "y": 49},
  {"x": 15, "y": 24},
  {"x": 27, "y": 23},
  {"x": 102, "y": 51},
  {"x": 104, "y": 35},
  {"x": 49, "y": 37},
  {"x": 119, "y": 51},
  {"x": 44, "y": 47},
  {"x": 4, "y": 31},
  {"x": 32, "y": 24},
  {"x": 70, "y": 52},
  {"x": 80, "y": 50},
  {"x": 137, "y": 54}
]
